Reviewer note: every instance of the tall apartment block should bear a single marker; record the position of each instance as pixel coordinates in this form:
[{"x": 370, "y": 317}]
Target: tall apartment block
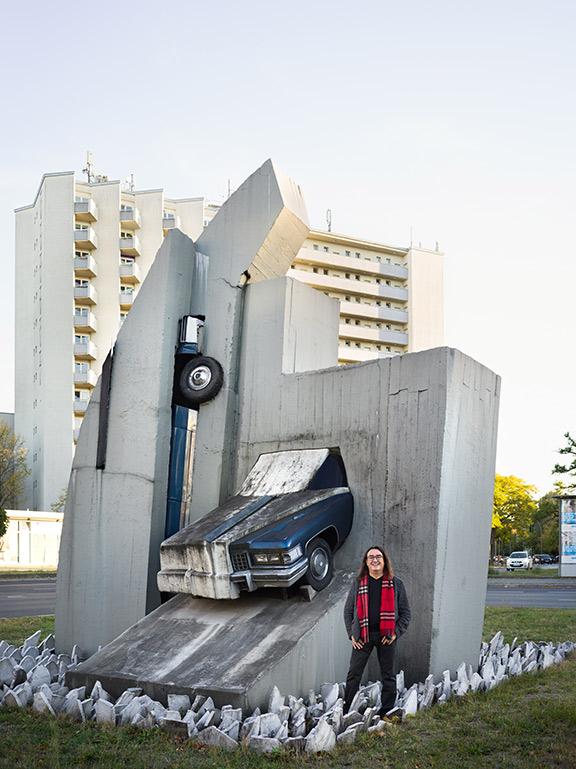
[{"x": 82, "y": 251}]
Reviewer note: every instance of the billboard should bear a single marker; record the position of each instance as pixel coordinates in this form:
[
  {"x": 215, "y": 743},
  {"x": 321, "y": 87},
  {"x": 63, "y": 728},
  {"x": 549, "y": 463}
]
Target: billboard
[{"x": 568, "y": 530}]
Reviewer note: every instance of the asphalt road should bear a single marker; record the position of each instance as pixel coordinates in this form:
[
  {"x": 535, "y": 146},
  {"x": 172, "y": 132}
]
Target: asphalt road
[
  {"x": 27, "y": 597},
  {"x": 31, "y": 597}
]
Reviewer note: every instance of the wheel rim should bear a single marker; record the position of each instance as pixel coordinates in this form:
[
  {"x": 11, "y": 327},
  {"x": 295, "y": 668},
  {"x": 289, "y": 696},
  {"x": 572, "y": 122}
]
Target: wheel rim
[
  {"x": 319, "y": 563},
  {"x": 199, "y": 378}
]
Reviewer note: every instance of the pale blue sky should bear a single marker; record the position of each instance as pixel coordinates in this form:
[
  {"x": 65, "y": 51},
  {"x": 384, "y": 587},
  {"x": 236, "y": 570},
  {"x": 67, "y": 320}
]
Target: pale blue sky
[{"x": 455, "y": 119}]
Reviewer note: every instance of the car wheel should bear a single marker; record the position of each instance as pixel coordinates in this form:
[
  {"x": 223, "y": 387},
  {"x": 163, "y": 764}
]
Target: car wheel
[
  {"x": 201, "y": 380},
  {"x": 320, "y": 564}
]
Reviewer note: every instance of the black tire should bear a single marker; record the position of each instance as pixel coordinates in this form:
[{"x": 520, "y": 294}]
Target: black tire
[
  {"x": 200, "y": 380},
  {"x": 320, "y": 564}
]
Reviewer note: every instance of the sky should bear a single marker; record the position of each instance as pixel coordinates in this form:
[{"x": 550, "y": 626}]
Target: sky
[{"x": 454, "y": 122}]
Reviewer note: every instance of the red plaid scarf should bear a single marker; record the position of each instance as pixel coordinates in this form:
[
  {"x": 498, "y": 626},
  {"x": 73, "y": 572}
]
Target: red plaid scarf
[{"x": 387, "y": 609}]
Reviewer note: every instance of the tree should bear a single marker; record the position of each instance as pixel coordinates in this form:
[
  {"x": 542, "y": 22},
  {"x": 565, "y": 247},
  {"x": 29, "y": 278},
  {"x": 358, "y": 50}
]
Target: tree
[
  {"x": 60, "y": 504},
  {"x": 13, "y": 471},
  {"x": 545, "y": 526},
  {"x": 568, "y": 469},
  {"x": 514, "y": 508}
]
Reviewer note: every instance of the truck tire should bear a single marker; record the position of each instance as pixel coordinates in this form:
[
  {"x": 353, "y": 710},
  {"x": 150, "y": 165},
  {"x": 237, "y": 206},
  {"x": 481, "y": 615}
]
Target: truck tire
[
  {"x": 200, "y": 380},
  {"x": 320, "y": 564}
]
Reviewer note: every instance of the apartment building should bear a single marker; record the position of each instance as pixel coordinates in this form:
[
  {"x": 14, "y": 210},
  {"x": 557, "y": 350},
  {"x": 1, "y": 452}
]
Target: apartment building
[
  {"x": 82, "y": 251},
  {"x": 391, "y": 299}
]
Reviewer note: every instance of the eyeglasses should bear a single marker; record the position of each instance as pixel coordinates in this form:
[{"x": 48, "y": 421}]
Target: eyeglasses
[{"x": 374, "y": 558}]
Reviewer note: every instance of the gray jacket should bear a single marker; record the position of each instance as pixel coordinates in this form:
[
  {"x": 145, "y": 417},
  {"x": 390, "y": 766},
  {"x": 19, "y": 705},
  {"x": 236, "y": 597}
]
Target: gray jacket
[{"x": 401, "y": 609}]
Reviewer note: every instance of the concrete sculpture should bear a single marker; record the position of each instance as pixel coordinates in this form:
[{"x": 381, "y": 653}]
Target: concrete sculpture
[{"x": 416, "y": 435}]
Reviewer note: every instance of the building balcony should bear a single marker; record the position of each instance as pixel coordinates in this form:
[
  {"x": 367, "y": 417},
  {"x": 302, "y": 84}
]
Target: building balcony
[
  {"x": 85, "y": 323},
  {"x": 130, "y": 218},
  {"x": 362, "y": 288},
  {"x": 381, "y": 269},
  {"x": 80, "y": 406},
  {"x": 130, "y": 246},
  {"x": 85, "y": 267},
  {"x": 85, "y": 210},
  {"x": 378, "y": 335},
  {"x": 374, "y": 312},
  {"x": 360, "y": 354},
  {"x": 126, "y": 300},
  {"x": 85, "y": 295},
  {"x": 85, "y": 239},
  {"x": 85, "y": 350},
  {"x": 170, "y": 222},
  {"x": 85, "y": 378},
  {"x": 130, "y": 273}
]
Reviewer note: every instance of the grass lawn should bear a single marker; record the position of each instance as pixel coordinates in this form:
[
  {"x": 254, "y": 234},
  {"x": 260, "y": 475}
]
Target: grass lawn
[
  {"x": 535, "y": 573},
  {"x": 10, "y": 572},
  {"x": 527, "y": 722}
]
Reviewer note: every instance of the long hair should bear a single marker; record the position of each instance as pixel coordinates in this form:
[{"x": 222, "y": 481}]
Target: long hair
[{"x": 388, "y": 568}]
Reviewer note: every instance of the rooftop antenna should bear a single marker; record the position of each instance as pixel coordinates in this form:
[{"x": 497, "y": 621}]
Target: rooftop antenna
[
  {"x": 437, "y": 247},
  {"x": 411, "y": 235},
  {"x": 229, "y": 193},
  {"x": 329, "y": 219},
  {"x": 131, "y": 182},
  {"x": 88, "y": 170}
]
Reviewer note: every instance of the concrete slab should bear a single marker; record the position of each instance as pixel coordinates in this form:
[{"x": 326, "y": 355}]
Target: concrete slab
[{"x": 235, "y": 651}]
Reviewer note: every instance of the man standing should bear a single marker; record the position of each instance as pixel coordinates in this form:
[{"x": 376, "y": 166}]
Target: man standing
[{"x": 376, "y": 613}]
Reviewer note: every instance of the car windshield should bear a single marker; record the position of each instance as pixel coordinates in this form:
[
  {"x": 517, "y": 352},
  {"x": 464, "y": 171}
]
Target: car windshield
[{"x": 520, "y": 554}]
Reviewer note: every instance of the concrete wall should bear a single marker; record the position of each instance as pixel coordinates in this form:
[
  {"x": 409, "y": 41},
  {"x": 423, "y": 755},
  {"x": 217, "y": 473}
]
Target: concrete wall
[
  {"x": 114, "y": 519},
  {"x": 417, "y": 434}
]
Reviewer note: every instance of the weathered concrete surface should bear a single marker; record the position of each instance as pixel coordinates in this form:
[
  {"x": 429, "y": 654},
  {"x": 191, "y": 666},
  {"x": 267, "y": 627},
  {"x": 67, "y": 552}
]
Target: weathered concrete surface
[
  {"x": 255, "y": 236},
  {"x": 417, "y": 434},
  {"x": 114, "y": 519},
  {"x": 234, "y": 651}
]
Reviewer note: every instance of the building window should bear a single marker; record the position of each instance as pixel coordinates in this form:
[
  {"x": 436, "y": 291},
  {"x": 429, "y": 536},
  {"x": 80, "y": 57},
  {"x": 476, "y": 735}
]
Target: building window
[
  {"x": 81, "y": 282},
  {"x": 358, "y": 254},
  {"x": 357, "y": 277},
  {"x": 347, "y": 253},
  {"x": 315, "y": 246},
  {"x": 325, "y": 272},
  {"x": 314, "y": 269}
]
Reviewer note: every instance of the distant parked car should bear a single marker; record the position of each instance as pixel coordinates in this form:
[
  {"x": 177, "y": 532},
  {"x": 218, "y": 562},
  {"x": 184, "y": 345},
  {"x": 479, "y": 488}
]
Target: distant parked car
[
  {"x": 520, "y": 559},
  {"x": 543, "y": 558}
]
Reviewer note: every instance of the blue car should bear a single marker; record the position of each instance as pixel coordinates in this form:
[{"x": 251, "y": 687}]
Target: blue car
[{"x": 292, "y": 513}]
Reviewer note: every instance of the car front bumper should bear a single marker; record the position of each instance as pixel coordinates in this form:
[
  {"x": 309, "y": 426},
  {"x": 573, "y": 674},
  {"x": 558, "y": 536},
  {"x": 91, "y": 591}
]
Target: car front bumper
[{"x": 272, "y": 576}]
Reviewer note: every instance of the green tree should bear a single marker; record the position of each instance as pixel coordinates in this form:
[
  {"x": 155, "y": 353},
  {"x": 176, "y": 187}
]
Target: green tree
[
  {"x": 60, "y": 504},
  {"x": 514, "y": 508},
  {"x": 13, "y": 471},
  {"x": 570, "y": 468},
  {"x": 545, "y": 526}
]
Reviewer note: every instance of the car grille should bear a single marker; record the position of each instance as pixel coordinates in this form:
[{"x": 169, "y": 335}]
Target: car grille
[{"x": 240, "y": 561}]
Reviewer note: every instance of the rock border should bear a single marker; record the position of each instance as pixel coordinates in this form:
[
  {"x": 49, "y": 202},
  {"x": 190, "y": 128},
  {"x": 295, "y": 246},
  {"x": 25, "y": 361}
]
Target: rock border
[{"x": 32, "y": 675}]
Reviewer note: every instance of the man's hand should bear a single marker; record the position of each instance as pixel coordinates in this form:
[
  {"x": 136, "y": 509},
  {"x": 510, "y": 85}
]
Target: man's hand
[
  {"x": 356, "y": 644},
  {"x": 385, "y": 641}
]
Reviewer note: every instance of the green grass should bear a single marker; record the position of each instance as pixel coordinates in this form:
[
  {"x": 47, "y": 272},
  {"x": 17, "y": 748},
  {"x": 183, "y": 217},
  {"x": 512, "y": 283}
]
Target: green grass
[
  {"x": 533, "y": 624},
  {"x": 16, "y": 629},
  {"x": 535, "y": 573},
  {"x": 527, "y": 723},
  {"x": 11, "y": 572}
]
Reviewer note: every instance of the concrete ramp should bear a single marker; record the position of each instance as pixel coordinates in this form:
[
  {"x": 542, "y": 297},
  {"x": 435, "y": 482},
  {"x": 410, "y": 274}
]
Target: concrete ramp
[{"x": 234, "y": 651}]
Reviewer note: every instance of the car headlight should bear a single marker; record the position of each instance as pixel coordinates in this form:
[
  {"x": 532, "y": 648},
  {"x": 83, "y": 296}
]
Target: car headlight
[
  {"x": 266, "y": 558},
  {"x": 292, "y": 555}
]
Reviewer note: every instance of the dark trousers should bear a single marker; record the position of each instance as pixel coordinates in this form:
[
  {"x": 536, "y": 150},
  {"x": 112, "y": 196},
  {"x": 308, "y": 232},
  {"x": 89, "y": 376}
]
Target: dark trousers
[{"x": 387, "y": 660}]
